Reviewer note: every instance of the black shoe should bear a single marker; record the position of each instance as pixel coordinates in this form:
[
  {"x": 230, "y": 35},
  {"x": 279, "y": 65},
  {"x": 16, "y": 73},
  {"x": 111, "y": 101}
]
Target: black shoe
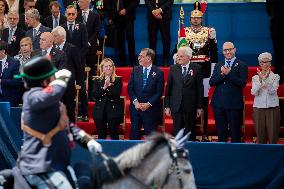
[{"x": 83, "y": 119}]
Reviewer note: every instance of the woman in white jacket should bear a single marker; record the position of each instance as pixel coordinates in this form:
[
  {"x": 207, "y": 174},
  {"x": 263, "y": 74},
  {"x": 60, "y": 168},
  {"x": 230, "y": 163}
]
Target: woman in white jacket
[{"x": 266, "y": 102}]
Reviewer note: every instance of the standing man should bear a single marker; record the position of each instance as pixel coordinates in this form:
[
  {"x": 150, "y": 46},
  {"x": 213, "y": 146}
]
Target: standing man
[
  {"x": 145, "y": 88},
  {"x": 124, "y": 14},
  {"x": 73, "y": 65},
  {"x": 92, "y": 22},
  {"x": 159, "y": 18},
  {"x": 55, "y": 19},
  {"x": 202, "y": 40},
  {"x": 184, "y": 93},
  {"x": 13, "y": 34},
  {"x": 28, "y": 4},
  {"x": 77, "y": 35},
  {"x": 10, "y": 88},
  {"x": 33, "y": 21},
  {"x": 229, "y": 78}
]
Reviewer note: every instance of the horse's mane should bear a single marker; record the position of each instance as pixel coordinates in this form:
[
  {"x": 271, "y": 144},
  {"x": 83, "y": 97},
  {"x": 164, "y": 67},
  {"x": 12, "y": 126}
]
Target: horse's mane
[{"x": 134, "y": 156}]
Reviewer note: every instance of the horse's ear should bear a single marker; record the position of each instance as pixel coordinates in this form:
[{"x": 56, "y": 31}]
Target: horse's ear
[
  {"x": 181, "y": 142},
  {"x": 179, "y": 135}
]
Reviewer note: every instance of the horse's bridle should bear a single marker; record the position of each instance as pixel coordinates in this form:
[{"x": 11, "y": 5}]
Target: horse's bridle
[{"x": 174, "y": 154}]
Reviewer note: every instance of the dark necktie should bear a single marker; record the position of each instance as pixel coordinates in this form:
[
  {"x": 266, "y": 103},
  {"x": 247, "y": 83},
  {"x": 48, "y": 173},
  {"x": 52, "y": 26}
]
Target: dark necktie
[
  {"x": 145, "y": 77},
  {"x": 34, "y": 33},
  {"x": 70, "y": 29},
  {"x": 10, "y": 36},
  {"x": 84, "y": 17},
  {"x": 44, "y": 52},
  {"x": 55, "y": 22},
  {"x": 183, "y": 72},
  {"x": 228, "y": 63}
]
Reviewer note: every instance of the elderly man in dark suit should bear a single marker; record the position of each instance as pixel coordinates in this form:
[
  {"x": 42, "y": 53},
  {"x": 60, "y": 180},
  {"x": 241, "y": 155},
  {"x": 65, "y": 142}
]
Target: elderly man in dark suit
[
  {"x": 55, "y": 19},
  {"x": 145, "y": 88},
  {"x": 184, "y": 92},
  {"x": 159, "y": 17},
  {"x": 229, "y": 78},
  {"x": 123, "y": 15},
  {"x": 13, "y": 34},
  {"x": 10, "y": 88},
  {"x": 28, "y": 4},
  {"x": 33, "y": 20},
  {"x": 73, "y": 65}
]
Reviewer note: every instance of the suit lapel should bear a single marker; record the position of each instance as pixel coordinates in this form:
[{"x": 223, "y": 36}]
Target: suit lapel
[
  {"x": 179, "y": 72},
  {"x": 140, "y": 76}
]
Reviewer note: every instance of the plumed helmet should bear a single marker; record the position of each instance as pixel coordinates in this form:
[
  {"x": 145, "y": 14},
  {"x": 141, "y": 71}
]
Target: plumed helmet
[
  {"x": 37, "y": 68},
  {"x": 198, "y": 9}
]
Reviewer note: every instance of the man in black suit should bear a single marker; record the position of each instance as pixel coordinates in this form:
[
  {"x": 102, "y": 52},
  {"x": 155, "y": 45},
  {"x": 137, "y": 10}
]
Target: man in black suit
[
  {"x": 73, "y": 65},
  {"x": 123, "y": 15},
  {"x": 10, "y": 88},
  {"x": 33, "y": 20},
  {"x": 159, "y": 18},
  {"x": 184, "y": 93},
  {"x": 55, "y": 19},
  {"x": 145, "y": 88},
  {"x": 13, "y": 34},
  {"x": 76, "y": 33},
  {"x": 92, "y": 22},
  {"x": 229, "y": 78},
  {"x": 28, "y": 4}
]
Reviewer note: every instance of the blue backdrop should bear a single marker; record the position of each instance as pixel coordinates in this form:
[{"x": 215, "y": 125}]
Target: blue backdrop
[{"x": 246, "y": 24}]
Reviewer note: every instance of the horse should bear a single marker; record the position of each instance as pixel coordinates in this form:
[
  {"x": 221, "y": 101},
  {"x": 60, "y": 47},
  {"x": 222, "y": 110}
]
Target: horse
[{"x": 160, "y": 162}]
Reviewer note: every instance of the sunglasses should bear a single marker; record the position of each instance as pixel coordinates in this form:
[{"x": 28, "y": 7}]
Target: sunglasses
[
  {"x": 71, "y": 14},
  {"x": 31, "y": 7}
]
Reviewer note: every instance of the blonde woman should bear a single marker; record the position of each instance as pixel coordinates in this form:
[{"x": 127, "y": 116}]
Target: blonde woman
[
  {"x": 266, "y": 102},
  {"x": 106, "y": 93},
  {"x": 26, "y": 48}
]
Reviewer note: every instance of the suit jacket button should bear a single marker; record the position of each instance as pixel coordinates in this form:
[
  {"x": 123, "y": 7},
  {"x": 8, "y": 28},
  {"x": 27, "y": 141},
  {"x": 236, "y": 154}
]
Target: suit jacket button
[{"x": 224, "y": 82}]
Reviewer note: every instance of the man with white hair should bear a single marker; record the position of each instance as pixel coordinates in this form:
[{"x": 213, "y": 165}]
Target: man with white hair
[
  {"x": 13, "y": 34},
  {"x": 184, "y": 92},
  {"x": 74, "y": 65},
  {"x": 33, "y": 20}
]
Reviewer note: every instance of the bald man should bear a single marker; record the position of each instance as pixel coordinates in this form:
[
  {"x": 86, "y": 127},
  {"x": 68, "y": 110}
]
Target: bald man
[
  {"x": 229, "y": 78},
  {"x": 58, "y": 57}
]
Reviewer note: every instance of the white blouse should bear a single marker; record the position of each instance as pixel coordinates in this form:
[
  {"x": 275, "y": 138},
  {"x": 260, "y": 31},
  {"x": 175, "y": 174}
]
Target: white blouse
[{"x": 265, "y": 92}]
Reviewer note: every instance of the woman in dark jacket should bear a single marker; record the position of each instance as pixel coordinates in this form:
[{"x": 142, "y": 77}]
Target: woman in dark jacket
[{"x": 108, "y": 109}]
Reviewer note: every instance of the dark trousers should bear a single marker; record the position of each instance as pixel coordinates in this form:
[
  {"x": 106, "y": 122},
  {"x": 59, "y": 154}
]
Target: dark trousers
[
  {"x": 68, "y": 100},
  {"x": 125, "y": 28},
  {"x": 205, "y": 114},
  {"x": 138, "y": 118},
  {"x": 228, "y": 119},
  {"x": 187, "y": 120},
  {"x": 103, "y": 124},
  {"x": 163, "y": 25}
]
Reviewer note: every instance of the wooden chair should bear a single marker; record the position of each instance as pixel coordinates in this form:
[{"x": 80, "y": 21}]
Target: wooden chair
[
  {"x": 121, "y": 130},
  {"x": 99, "y": 54},
  {"x": 161, "y": 120},
  {"x": 87, "y": 72},
  {"x": 77, "y": 88}
]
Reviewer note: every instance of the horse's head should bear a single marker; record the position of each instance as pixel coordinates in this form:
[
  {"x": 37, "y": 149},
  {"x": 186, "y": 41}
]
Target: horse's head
[{"x": 160, "y": 162}]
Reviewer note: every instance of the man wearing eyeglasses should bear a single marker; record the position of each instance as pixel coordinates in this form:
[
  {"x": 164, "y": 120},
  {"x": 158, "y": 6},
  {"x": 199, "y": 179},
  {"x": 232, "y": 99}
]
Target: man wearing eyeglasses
[
  {"x": 77, "y": 35},
  {"x": 229, "y": 78}
]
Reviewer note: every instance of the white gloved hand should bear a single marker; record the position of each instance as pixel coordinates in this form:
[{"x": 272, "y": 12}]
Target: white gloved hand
[
  {"x": 94, "y": 147},
  {"x": 63, "y": 75},
  {"x": 212, "y": 33}
]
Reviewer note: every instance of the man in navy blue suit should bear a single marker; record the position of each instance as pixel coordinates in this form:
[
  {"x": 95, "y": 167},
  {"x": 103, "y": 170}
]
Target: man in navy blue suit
[
  {"x": 229, "y": 78},
  {"x": 33, "y": 21},
  {"x": 10, "y": 88},
  {"x": 145, "y": 88}
]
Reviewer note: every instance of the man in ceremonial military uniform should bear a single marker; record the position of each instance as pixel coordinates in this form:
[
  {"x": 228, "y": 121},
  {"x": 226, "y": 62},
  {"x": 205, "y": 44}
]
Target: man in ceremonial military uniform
[{"x": 202, "y": 40}]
